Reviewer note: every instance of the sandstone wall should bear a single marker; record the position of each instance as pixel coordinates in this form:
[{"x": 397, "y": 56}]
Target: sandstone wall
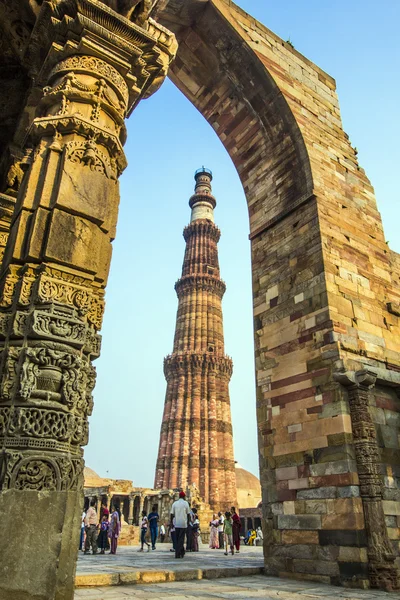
[{"x": 325, "y": 288}]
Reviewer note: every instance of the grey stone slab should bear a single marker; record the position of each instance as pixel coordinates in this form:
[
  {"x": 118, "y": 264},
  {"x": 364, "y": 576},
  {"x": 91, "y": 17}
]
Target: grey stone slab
[
  {"x": 348, "y": 491},
  {"x": 315, "y": 493},
  {"x": 333, "y": 467},
  {"x": 299, "y": 521}
]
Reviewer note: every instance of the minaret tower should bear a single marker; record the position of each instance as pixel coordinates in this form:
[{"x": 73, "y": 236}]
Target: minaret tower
[{"x": 196, "y": 444}]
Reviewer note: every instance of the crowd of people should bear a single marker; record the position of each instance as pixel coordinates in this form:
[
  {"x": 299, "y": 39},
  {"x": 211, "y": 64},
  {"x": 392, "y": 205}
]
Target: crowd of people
[{"x": 101, "y": 532}]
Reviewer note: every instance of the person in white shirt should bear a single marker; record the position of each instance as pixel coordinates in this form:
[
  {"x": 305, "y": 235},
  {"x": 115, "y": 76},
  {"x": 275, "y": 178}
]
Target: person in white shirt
[
  {"x": 162, "y": 532},
  {"x": 180, "y": 511},
  {"x": 221, "y": 520},
  {"x": 259, "y": 538}
]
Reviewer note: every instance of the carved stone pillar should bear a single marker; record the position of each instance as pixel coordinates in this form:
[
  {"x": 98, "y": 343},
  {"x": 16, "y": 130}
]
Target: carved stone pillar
[
  {"x": 98, "y": 507},
  {"x": 141, "y": 505},
  {"x": 130, "y": 514},
  {"x": 94, "y": 67},
  {"x": 382, "y": 570}
]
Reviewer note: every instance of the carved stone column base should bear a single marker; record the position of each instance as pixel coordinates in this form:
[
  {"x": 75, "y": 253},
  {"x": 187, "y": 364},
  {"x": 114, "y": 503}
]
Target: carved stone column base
[
  {"x": 384, "y": 576},
  {"x": 51, "y": 573}
]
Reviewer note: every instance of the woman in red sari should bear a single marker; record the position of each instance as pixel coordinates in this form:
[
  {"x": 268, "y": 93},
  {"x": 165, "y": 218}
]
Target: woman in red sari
[{"x": 236, "y": 526}]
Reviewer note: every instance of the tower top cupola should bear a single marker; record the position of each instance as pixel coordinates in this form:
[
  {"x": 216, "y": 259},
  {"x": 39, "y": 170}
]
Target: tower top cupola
[{"x": 202, "y": 202}]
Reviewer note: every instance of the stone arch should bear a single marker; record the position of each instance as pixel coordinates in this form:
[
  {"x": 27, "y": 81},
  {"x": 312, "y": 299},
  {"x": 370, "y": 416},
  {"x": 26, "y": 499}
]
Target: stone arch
[
  {"x": 226, "y": 81},
  {"x": 325, "y": 286}
]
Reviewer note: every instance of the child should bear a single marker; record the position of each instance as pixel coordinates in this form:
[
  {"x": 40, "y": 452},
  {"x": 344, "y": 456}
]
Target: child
[
  {"x": 143, "y": 530},
  {"x": 195, "y": 531},
  {"x": 228, "y": 533},
  {"x": 102, "y": 541}
]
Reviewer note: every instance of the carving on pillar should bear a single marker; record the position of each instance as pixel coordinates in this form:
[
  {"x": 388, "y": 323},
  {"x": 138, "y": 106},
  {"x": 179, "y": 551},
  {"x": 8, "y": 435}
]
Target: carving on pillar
[
  {"x": 382, "y": 569},
  {"x": 93, "y": 67}
]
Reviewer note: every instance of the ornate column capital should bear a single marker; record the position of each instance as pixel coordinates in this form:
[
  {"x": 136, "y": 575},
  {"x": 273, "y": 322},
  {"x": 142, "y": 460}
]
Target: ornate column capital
[
  {"x": 140, "y": 51},
  {"x": 358, "y": 379}
]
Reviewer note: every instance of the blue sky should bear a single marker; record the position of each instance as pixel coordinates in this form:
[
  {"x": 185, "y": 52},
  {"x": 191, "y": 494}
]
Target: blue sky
[{"x": 356, "y": 42}]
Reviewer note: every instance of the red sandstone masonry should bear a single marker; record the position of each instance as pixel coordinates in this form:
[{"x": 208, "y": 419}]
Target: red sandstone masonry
[{"x": 196, "y": 444}]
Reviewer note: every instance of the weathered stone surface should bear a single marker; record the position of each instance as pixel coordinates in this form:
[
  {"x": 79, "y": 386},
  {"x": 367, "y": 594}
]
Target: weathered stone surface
[
  {"x": 299, "y": 521},
  {"x": 315, "y": 493},
  {"x": 84, "y": 81}
]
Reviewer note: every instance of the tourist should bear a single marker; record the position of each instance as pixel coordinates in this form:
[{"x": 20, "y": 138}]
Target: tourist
[
  {"x": 259, "y": 537},
  {"x": 252, "y": 538},
  {"x": 162, "y": 533},
  {"x": 153, "y": 522},
  {"x": 102, "y": 540},
  {"x": 172, "y": 535},
  {"x": 104, "y": 510},
  {"x": 213, "y": 543},
  {"x": 247, "y": 537},
  {"x": 144, "y": 526},
  {"x": 221, "y": 519},
  {"x": 91, "y": 524},
  {"x": 195, "y": 531},
  {"x": 236, "y": 525},
  {"x": 180, "y": 510},
  {"x": 114, "y": 529},
  {"x": 189, "y": 532},
  {"x": 82, "y": 539},
  {"x": 228, "y": 533}
]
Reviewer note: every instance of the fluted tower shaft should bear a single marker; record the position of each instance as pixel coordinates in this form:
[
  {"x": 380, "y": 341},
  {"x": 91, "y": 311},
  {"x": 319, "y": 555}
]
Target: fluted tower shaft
[{"x": 196, "y": 443}]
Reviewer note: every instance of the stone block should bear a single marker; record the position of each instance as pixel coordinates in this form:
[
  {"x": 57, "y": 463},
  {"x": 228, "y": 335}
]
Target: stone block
[
  {"x": 344, "y": 479},
  {"x": 325, "y": 579},
  {"x": 344, "y": 505},
  {"x": 317, "y": 507},
  {"x": 342, "y": 537},
  {"x": 295, "y": 428},
  {"x": 277, "y": 508},
  {"x": 333, "y": 467},
  {"x": 295, "y": 551},
  {"x": 343, "y": 520},
  {"x": 89, "y": 580},
  {"x": 317, "y": 493},
  {"x": 391, "y": 507},
  {"x": 153, "y": 576},
  {"x": 296, "y": 536},
  {"x": 393, "y": 533},
  {"x": 299, "y": 522},
  {"x": 286, "y": 473},
  {"x": 289, "y": 508},
  {"x": 74, "y": 241},
  {"x": 316, "y": 567},
  {"x": 187, "y": 575},
  {"x": 353, "y": 570},
  {"x": 298, "y": 484},
  {"x": 129, "y": 577},
  {"x": 349, "y": 554},
  {"x": 349, "y": 491},
  {"x": 95, "y": 198}
]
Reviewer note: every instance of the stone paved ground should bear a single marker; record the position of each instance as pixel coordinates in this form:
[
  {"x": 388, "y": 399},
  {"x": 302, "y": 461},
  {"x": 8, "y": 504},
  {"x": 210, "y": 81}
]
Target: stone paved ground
[
  {"x": 240, "y": 588},
  {"x": 129, "y": 558}
]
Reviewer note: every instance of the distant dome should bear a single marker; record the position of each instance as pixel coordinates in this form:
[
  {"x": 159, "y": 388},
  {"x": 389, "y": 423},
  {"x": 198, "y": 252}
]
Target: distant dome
[
  {"x": 248, "y": 488},
  {"x": 92, "y": 479}
]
